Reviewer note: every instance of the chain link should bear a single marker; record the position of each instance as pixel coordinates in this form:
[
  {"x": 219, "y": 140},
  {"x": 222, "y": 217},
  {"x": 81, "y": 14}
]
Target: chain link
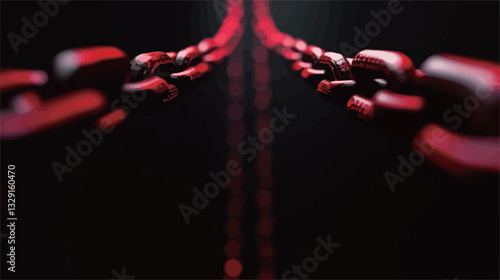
[
  {"x": 384, "y": 90},
  {"x": 86, "y": 79}
]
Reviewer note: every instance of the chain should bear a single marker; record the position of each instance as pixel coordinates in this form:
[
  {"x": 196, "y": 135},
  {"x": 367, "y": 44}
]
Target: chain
[
  {"x": 86, "y": 79},
  {"x": 449, "y": 107}
]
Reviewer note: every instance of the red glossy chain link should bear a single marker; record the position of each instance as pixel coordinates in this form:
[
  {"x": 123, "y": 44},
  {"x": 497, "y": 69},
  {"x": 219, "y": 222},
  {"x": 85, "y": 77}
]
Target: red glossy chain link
[
  {"x": 384, "y": 90},
  {"x": 84, "y": 82}
]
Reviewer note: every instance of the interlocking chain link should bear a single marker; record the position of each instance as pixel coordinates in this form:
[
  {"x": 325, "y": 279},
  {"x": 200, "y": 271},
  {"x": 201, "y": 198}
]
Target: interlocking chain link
[
  {"x": 449, "y": 95},
  {"x": 83, "y": 81},
  {"x": 384, "y": 90}
]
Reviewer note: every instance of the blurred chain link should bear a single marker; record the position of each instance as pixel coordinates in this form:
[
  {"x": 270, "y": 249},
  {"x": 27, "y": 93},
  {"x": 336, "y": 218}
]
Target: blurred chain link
[{"x": 449, "y": 106}]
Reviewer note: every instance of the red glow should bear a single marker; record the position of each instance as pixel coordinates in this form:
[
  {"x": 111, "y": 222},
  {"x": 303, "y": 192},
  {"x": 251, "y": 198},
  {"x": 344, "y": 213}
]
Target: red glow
[
  {"x": 299, "y": 65},
  {"x": 234, "y": 208},
  {"x": 266, "y": 31},
  {"x": 394, "y": 101},
  {"x": 300, "y": 45},
  {"x": 267, "y": 251},
  {"x": 172, "y": 55},
  {"x": 206, "y": 45},
  {"x": 228, "y": 28},
  {"x": 217, "y": 56},
  {"x": 189, "y": 54},
  {"x": 232, "y": 249},
  {"x": 457, "y": 153},
  {"x": 312, "y": 53},
  {"x": 262, "y": 74},
  {"x": 260, "y": 54},
  {"x": 262, "y": 101},
  {"x": 30, "y": 115},
  {"x": 235, "y": 69},
  {"x": 266, "y": 275},
  {"x": 471, "y": 74},
  {"x": 111, "y": 119},
  {"x": 290, "y": 54},
  {"x": 269, "y": 36},
  {"x": 228, "y": 35},
  {"x": 265, "y": 226},
  {"x": 261, "y": 122},
  {"x": 233, "y": 228},
  {"x": 13, "y": 79},
  {"x": 267, "y": 182},
  {"x": 308, "y": 72},
  {"x": 233, "y": 268},
  {"x": 68, "y": 61},
  {"x": 236, "y": 134},
  {"x": 235, "y": 185},
  {"x": 262, "y": 172},
  {"x": 234, "y": 155},
  {"x": 91, "y": 55},
  {"x": 264, "y": 198},
  {"x": 265, "y": 162},
  {"x": 154, "y": 84},
  {"x": 193, "y": 72},
  {"x": 235, "y": 90},
  {"x": 235, "y": 111}
]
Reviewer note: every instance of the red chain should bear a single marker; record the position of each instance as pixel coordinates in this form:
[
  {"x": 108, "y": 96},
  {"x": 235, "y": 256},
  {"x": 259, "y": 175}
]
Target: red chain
[{"x": 382, "y": 88}]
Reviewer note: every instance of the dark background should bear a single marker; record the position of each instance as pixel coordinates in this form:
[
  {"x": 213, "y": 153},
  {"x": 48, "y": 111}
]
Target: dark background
[{"x": 119, "y": 208}]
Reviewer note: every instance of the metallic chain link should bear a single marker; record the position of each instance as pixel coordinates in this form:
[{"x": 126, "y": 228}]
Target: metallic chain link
[{"x": 449, "y": 106}]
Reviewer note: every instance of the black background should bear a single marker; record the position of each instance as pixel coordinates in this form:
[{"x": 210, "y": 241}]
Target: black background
[{"x": 119, "y": 208}]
